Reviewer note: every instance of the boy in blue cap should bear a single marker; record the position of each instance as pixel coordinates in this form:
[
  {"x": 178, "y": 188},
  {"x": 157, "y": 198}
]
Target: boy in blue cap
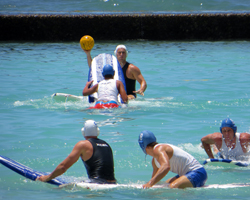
[
  {"x": 230, "y": 144},
  {"x": 167, "y": 157},
  {"x": 107, "y": 90}
]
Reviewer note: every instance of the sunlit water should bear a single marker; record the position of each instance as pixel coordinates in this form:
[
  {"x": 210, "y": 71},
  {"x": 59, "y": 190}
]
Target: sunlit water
[{"x": 192, "y": 86}]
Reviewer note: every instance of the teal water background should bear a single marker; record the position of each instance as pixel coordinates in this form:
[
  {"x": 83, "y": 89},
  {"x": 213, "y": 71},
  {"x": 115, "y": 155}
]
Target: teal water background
[{"x": 192, "y": 86}]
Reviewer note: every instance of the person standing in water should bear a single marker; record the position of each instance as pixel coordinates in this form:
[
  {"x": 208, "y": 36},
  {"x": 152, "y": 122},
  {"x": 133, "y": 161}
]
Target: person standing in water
[{"x": 130, "y": 71}]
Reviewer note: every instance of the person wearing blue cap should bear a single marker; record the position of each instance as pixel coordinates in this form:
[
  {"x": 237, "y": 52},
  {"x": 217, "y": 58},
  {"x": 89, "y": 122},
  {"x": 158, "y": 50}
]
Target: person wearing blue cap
[
  {"x": 131, "y": 72},
  {"x": 230, "y": 144},
  {"x": 107, "y": 90},
  {"x": 167, "y": 157}
]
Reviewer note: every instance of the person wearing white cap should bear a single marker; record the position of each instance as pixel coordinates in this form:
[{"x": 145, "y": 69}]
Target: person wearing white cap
[
  {"x": 95, "y": 153},
  {"x": 130, "y": 71}
]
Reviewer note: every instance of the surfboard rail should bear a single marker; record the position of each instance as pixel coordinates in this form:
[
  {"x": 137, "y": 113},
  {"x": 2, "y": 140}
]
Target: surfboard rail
[
  {"x": 233, "y": 162},
  {"x": 26, "y": 171}
]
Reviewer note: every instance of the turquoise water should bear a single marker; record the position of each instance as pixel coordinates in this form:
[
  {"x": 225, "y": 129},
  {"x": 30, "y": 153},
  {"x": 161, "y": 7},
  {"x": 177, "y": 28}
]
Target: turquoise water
[
  {"x": 192, "y": 86},
  {"x": 121, "y": 6}
]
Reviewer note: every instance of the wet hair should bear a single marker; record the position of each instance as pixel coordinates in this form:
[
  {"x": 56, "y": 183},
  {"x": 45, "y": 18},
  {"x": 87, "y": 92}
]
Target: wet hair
[{"x": 152, "y": 144}]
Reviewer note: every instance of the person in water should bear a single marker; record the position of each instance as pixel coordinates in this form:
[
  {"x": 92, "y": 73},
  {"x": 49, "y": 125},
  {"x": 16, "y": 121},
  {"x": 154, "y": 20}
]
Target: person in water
[
  {"x": 228, "y": 142},
  {"x": 130, "y": 71},
  {"x": 107, "y": 90},
  {"x": 167, "y": 157},
  {"x": 95, "y": 153}
]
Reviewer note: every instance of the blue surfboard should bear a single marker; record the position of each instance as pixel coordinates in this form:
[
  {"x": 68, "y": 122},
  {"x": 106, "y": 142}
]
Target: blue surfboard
[
  {"x": 95, "y": 72},
  {"x": 226, "y": 161},
  {"x": 26, "y": 171}
]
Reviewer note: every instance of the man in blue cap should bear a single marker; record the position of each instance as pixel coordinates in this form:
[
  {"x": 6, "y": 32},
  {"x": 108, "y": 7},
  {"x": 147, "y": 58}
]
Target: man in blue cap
[
  {"x": 130, "y": 71},
  {"x": 107, "y": 90},
  {"x": 230, "y": 144},
  {"x": 167, "y": 157}
]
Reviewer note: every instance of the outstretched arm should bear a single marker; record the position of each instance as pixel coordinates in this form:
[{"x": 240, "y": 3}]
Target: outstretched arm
[
  {"x": 159, "y": 173},
  {"x": 64, "y": 165},
  {"x": 138, "y": 76}
]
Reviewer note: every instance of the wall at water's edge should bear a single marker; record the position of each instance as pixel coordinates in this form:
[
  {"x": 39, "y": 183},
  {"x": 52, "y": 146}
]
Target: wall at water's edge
[{"x": 124, "y": 27}]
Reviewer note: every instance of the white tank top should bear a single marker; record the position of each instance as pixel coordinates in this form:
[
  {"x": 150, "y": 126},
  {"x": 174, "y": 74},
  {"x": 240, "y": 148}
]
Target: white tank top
[
  {"x": 236, "y": 153},
  {"x": 107, "y": 90},
  {"x": 181, "y": 161}
]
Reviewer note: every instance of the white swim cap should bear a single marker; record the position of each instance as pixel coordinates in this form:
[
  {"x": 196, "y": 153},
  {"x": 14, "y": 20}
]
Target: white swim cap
[
  {"x": 121, "y": 46},
  {"x": 90, "y": 128}
]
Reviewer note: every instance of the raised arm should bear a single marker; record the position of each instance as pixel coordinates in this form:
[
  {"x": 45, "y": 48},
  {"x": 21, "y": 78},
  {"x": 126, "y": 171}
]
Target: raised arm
[
  {"x": 64, "y": 165},
  {"x": 89, "y": 58}
]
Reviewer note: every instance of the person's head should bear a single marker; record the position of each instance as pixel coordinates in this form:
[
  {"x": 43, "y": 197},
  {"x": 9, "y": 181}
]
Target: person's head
[
  {"x": 145, "y": 139},
  {"x": 90, "y": 129},
  {"x": 228, "y": 125},
  {"x": 121, "y": 51},
  {"x": 108, "y": 71}
]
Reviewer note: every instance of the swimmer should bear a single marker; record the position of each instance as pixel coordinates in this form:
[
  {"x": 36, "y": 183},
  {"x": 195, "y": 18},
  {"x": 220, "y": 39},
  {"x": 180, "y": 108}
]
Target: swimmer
[
  {"x": 95, "y": 153},
  {"x": 130, "y": 71},
  {"x": 230, "y": 144},
  {"x": 167, "y": 157}
]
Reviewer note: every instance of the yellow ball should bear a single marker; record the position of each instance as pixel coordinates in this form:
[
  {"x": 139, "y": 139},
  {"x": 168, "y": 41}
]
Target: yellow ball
[{"x": 87, "y": 42}]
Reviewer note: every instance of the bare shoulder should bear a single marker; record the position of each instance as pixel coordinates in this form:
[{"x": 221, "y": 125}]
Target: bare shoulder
[
  {"x": 83, "y": 144},
  {"x": 215, "y": 135},
  {"x": 164, "y": 147},
  {"x": 133, "y": 67},
  {"x": 244, "y": 136}
]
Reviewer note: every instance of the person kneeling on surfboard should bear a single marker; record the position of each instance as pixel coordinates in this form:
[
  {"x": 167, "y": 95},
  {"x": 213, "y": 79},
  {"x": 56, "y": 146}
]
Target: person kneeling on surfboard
[
  {"x": 131, "y": 72},
  {"x": 228, "y": 143},
  {"x": 95, "y": 153},
  {"x": 107, "y": 90},
  {"x": 167, "y": 157}
]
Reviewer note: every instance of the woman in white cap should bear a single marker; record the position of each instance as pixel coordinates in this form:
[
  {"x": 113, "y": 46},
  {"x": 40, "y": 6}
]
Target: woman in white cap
[{"x": 95, "y": 153}]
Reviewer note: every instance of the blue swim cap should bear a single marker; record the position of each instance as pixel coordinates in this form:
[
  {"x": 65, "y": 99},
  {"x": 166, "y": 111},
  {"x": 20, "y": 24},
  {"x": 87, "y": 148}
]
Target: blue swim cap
[
  {"x": 145, "y": 138},
  {"x": 228, "y": 123},
  {"x": 108, "y": 70}
]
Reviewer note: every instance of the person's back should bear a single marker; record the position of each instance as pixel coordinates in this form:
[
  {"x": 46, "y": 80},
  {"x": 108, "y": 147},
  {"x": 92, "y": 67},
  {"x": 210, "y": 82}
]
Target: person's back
[
  {"x": 107, "y": 90},
  {"x": 100, "y": 167},
  {"x": 181, "y": 162}
]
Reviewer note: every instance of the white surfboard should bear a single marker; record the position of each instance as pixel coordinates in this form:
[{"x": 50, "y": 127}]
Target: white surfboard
[
  {"x": 66, "y": 97},
  {"x": 95, "y": 186},
  {"x": 220, "y": 161},
  {"x": 95, "y": 72},
  {"x": 32, "y": 174}
]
